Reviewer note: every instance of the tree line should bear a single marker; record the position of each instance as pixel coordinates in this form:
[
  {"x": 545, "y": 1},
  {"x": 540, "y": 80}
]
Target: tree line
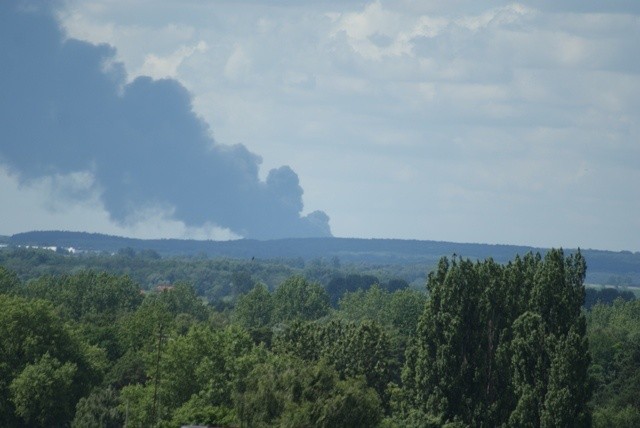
[{"x": 485, "y": 344}]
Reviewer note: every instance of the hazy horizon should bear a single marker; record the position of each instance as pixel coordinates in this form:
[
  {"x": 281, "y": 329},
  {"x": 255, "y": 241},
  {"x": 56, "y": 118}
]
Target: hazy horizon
[{"x": 497, "y": 123}]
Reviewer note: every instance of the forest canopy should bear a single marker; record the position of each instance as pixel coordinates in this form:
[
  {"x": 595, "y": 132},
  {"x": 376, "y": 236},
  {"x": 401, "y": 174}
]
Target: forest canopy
[{"x": 483, "y": 344}]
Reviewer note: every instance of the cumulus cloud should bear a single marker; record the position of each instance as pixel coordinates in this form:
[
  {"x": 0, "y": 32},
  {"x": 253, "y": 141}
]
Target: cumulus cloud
[
  {"x": 68, "y": 112},
  {"x": 160, "y": 67}
]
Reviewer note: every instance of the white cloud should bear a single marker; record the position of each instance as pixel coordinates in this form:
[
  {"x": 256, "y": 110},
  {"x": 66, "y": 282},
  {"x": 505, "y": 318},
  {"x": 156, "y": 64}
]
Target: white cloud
[
  {"x": 238, "y": 66},
  {"x": 375, "y": 33},
  {"x": 160, "y": 67},
  {"x": 72, "y": 202}
]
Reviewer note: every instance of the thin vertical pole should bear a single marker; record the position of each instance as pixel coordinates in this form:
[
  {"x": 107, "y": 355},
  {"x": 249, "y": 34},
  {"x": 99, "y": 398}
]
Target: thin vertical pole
[{"x": 154, "y": 415}]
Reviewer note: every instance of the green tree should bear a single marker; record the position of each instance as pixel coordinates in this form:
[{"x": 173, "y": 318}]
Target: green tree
[
  {"x": 254, "y": 309},
  {"x": 29, "y": 330},
  {"x": 405, "y": 309},
  {"x": 300, "y": 338},
  {"x": 530, "y": 361},
  {"x": 287, "y": 392},
  {"x": 614, "y": 341},
  {"x": 139, "y": 330},
  {"x": 399, "y": 310},
  {"x": 43, "y": 392},
  {"x": 614, "y": 417},
  {"x": 94, "y": 300},
  {"x": 101, "y": 409},
  {"x": 128, "y": 369},
  {"x": 88, "y": 294},
  {"x": 350, "y": 405},
  {"x": 360, "y": 350},
  {"x": 182, "y": 299},
  {"x": 9, "y": 282},
  {"x": 557, "y": 296},
  {"x": 241, "y": 282},
  {"x": 366, "y": 304},
  {"x": 448, "y": 371},
  {"x": 500, "y": 344},
  {"x": 298, "y": 299},
  {"x": 201, "y": 368},
  {"x": 199, "y": 411},
  {"x": 566, "y": 401},
  {"x": 137, "y": 404},
  {"x": 558, "y": 291},
  {"x": 339, "y": 285},
  {"x": 353, "y": 350}
]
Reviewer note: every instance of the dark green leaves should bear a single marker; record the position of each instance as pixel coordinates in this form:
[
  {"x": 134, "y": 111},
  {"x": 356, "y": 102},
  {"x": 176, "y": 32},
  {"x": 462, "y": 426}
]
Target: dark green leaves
[{"x": 503, "y": 344}]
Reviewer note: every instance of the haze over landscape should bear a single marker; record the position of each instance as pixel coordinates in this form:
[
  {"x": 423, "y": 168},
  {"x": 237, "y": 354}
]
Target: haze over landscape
[
  {"x": 499, "y": 122},
  {"x": 343, "y": 214}
]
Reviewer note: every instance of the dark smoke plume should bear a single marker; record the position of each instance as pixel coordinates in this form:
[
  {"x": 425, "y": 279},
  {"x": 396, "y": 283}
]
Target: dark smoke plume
[{"x": 65, "y": 106}]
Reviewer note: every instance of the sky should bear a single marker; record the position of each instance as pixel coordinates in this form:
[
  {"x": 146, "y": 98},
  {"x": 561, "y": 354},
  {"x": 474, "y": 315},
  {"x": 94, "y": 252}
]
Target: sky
[{"x": 465, "y": 121}]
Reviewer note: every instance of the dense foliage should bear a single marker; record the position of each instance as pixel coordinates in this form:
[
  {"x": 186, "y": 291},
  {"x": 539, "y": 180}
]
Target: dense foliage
[
  {"x": 502, "y": 345},
  {"x": 219, "y": 279},
  {"x": 486, "y": 344}
]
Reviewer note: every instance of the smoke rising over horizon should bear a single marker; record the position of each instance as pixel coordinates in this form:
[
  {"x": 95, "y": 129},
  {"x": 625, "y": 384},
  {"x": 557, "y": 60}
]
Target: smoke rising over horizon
[{"x": 67, "y": 111}]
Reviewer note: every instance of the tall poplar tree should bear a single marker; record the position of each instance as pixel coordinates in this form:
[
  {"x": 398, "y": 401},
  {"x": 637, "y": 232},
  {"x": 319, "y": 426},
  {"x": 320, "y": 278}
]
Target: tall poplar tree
[{"x": 502, "y": 344}]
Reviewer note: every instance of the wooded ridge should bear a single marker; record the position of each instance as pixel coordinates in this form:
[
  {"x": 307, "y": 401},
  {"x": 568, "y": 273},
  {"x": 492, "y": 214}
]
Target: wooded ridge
[{"x": 605, "y": 267}]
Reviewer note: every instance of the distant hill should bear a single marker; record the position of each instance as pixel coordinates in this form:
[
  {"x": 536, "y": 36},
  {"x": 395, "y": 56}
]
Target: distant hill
[
  {"x": 604, "y": 267},
  {"x": 353, "y": 249}
]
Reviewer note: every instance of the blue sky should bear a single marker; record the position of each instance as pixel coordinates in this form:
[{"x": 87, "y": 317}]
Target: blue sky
[{"x": 463, "y": 121}]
